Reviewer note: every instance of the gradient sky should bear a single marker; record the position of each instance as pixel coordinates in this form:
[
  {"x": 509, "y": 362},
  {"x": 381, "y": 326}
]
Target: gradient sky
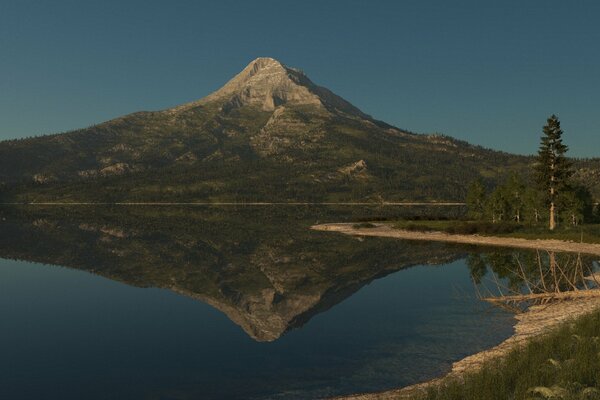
[{"x": 488, "y": 72}]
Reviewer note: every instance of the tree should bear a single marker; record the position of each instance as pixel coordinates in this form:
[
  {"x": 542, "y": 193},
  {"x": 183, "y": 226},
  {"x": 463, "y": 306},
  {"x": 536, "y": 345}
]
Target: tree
[
  {"x": 476, "y": 200},
  {"x": 534, "y": 205},
  {"x": 514, "y": 191},
  {"x": 497, "y": 205},
  {"x": 577, "y": 205},
  {"x": 553, "y": 169}
]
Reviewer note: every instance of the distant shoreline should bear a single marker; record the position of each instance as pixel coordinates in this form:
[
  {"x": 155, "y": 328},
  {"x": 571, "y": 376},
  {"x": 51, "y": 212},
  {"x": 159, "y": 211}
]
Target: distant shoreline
[
  {"x": 258, "y": 203},
  {"x": 384, "y": 230}
]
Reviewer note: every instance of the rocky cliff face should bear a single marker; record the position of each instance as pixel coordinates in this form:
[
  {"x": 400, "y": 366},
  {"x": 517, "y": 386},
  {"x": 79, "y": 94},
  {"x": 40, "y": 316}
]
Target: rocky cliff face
[
  {"x": 268, "y": 84},
  {"x": 265, "y": 83}
]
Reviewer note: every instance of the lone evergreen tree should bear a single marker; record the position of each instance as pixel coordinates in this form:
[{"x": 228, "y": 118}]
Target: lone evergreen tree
[{"x": 553, "y": 168}]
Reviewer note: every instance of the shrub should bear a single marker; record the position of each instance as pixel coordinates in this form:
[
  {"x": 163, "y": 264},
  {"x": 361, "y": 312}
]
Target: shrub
[
  {"x": 471, "y": 228},
  {"x": 364, "y": 225}
]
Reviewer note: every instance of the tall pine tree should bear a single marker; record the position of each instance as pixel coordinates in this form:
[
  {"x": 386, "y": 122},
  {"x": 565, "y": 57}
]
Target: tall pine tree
[{"x": 553, "y": 169}]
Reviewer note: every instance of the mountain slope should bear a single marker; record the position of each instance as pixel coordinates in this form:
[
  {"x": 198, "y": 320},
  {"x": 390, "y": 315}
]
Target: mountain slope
[{"x": 269, "y": 134}]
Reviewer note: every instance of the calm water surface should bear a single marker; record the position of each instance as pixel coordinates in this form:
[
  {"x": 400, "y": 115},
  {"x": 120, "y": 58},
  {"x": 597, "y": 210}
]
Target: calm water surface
[{"x": 102, "y": 308}]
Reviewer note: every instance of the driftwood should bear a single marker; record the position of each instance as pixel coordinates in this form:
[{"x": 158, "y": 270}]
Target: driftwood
[
  {"x": 558, "y": 283},
  {"x": 547, "y": 296}
]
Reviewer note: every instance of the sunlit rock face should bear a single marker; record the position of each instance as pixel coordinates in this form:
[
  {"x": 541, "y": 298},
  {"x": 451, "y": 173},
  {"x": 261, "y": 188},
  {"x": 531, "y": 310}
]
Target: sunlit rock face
[
  {"x": 268, "y": 84},
  {"x": 265, "y": 83}
]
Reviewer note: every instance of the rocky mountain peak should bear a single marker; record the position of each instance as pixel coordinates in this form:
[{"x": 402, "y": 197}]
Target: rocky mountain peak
[
  {"x": 266, "y": 83},
  {"x": 264, "y": 63}
]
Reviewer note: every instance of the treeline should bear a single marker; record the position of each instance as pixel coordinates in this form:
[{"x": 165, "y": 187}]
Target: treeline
[
  {"x": 553, "y": 197},
  {"x": 520, "y": 201}
]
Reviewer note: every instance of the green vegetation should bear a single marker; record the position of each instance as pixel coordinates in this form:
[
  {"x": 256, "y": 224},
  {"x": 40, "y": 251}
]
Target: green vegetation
[
  {"x": 206, "y": 156},
  {"x": 362, "y": 225},
  {"x": 552, "y": 205},
  {"x": 587, "y": 233},
  {"x": 564, "y": 364},
  {"x": 457, "y": 227},
  {"x": 553, "y": 173},
  {"x": 553, "y": 198},
  {"x": 518, "y": 201},
  {"x": 203, "y": 153}
]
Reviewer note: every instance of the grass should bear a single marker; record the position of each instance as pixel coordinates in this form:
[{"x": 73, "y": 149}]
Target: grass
[
  {"x": 589, "y": 233},
  {"x": 362, "y": 225},
  {"x": 564, "y": 364},
  {"x": 458, "y": 226}
]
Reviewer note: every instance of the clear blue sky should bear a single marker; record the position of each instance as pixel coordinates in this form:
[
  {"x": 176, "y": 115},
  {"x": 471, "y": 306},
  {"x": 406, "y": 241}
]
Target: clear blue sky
[{"x": 488, "y": 72}]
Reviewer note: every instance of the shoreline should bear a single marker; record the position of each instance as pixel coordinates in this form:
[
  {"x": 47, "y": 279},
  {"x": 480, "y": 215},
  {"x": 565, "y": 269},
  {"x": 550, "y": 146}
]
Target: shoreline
[
  {"x": 233, "y": 203},
  {"x": 384, "y": 230},
  {"x": 534, "y": 323}
]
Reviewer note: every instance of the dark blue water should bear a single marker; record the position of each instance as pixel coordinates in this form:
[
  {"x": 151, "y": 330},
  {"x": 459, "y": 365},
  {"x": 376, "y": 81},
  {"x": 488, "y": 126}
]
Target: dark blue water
[{"x": 69, "y": 334}]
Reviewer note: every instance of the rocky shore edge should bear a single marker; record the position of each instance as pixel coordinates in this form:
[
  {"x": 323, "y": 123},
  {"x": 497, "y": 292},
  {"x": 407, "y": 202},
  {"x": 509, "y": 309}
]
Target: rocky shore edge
[{"x": 535, "y": 322}]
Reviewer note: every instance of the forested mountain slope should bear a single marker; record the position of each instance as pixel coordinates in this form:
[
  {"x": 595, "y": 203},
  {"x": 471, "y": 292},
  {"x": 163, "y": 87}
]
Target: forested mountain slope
[{"x": 269, "y": 134}]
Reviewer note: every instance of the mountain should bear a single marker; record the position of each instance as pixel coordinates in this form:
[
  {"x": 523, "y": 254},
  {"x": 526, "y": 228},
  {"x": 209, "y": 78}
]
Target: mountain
[
  {"x": 269, "y": 85},
  {"x": 269, "y": 134}
]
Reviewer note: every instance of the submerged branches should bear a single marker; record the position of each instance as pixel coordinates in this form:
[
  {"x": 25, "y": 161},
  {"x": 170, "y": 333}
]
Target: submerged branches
[{"x": 519, "y": 283}]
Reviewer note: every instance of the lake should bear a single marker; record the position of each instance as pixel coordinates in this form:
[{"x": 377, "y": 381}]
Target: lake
[{"x": 227, "y": 303}]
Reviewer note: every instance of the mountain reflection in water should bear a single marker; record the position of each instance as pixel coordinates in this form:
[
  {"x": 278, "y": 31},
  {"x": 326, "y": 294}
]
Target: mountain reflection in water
[{"x": 269, "y": 274}]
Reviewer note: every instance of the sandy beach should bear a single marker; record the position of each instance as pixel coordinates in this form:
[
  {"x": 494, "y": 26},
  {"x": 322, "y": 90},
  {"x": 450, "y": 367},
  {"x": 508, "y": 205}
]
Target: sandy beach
[{"x": 384, "y": 230}]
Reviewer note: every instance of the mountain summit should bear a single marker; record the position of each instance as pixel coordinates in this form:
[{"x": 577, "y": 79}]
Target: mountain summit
[
  {"x": 267, "y": 84},
  {"x": 269, "y": 134}
]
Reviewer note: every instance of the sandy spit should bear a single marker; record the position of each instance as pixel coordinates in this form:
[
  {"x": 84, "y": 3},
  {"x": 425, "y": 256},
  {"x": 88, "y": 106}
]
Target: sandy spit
[{"x": 383, "y": 230}]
